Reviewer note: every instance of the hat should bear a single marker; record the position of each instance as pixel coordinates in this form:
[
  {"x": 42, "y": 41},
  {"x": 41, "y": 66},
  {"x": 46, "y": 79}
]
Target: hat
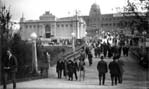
[
  {"x": 101, "y": 57},
  {"x": 114, "y": 58}
]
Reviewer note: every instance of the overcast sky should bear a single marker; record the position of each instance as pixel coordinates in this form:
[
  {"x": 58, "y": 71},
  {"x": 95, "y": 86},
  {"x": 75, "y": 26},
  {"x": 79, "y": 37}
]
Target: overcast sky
[{"x": 32, "y": 9}]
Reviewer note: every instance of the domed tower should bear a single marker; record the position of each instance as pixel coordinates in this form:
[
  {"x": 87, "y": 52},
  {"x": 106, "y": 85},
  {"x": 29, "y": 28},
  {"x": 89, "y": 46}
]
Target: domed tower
[
  {"x": 95, "y": 10},
  {"x": 94, "y": 20}
]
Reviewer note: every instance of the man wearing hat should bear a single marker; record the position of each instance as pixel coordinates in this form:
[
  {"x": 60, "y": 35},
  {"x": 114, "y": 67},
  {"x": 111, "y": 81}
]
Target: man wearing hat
[
  {"x": 102, "y": 70},
  {"x": 114, "y": 70}
]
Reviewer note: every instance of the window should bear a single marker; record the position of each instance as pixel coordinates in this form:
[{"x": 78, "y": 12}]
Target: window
[
  {"x": 57, "y": 25},
  {"x": 30, "y": 26},
  {"x": 70, "y": 25},
  {"x": 34, "y": 26},
  {"x": 38, "y": 26},
  {"x": 62, "y": 25},
  {"x": 66, "y": 25},
  {"x": 113, "y": 24}
]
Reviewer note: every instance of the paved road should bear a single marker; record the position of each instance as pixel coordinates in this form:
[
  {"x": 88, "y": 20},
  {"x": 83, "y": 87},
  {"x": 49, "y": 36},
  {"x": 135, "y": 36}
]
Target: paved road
[{"x": 134, "y": 78}]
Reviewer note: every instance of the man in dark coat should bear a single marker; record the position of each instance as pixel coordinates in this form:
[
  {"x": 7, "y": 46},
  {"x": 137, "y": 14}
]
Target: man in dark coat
[
  {"x": 65, "y": 68},
  {"x": 75, "y": 68},
  {"x": 105, "y": 49},
  {"x": 96, "y": 52},
  {"x": 114, "y": 71},
  {"x": 125, "y": 50},
  {"x": 102, "y": 70},
  {"x": 9, "y": 67},
  {"x": 99, "y": 51},
  {"x": 109, "y": 51},
  {"x": 70, "y": 70},
  {"x": 59, "y": 68},
  {"x": 120, "y": 76},
  {"x": 90, "y": 58}
]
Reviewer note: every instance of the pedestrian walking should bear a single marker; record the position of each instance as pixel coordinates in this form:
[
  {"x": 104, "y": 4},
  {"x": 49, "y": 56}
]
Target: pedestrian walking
[
  {"x": 82, "y": 69},
  {"x": 96, "y": 52},
  {"x": 65, "y": 68},
  {"x": 125, "y": 50},
  {"x": 109, "y": 51},
  {"x": 9, "y": 67},
  {"x": 99, "y": 51},
  {"x": 59, "y": 68},
  {"x": 70, "y": 70},
  {"x": 120, "y": 76},
  {"x": 90, "y": 58},
  {"x": 75, "y": 68},
  {"x": 114, "y": 71},
  {"x": 102, "y": 70}
]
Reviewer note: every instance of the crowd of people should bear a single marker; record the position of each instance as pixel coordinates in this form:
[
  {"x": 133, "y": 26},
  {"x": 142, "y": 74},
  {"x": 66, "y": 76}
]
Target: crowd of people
[
  {"x": 67, "y": 68},
  {"x": 111, "y": 49}
]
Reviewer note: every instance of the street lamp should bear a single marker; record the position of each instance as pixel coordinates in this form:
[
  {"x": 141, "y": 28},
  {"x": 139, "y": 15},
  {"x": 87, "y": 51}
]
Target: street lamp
[
  {"x": 73, "y": 41},
  {"x": 85, "y": 34},
  {"x": 34, "y": 50}
]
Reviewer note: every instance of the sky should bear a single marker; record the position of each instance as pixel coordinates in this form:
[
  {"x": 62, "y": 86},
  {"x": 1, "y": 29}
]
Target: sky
[{"x": 32, "y": 9}]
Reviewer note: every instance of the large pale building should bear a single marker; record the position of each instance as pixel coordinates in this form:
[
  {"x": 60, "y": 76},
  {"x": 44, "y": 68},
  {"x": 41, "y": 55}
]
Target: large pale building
[
  {"x": 92, "y": 24},
  {"x": 98, "y": 22},
  {"x": 48, "y": 26}
]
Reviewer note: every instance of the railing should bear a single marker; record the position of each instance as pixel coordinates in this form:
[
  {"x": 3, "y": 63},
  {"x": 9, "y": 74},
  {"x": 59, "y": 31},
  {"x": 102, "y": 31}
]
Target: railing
[{"x": 74, "y": 54}]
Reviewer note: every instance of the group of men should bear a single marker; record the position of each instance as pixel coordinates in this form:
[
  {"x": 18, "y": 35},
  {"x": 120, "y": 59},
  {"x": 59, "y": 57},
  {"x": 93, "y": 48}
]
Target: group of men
[
  {"x": 116, "y": 70},
  {"x": 68, "y": 68}
]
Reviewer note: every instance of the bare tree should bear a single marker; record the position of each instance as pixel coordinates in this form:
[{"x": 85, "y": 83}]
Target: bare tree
[
  {"x": 4, "y": 37},
  {"x": 137, "y": 14}
]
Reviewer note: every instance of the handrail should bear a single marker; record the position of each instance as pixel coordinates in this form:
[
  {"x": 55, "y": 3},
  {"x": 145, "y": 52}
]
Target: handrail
[{"x": 73, "y": 54}]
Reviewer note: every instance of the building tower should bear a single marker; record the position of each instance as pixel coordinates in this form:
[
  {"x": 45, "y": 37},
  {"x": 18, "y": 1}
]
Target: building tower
[
  {"x": 22, "y": 19},
  {"x": 94, "y": 20}
]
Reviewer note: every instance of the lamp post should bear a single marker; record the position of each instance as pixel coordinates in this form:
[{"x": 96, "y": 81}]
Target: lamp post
[
  {"x": 73, "y": 41},
  {"x": 34, "y": 50}
]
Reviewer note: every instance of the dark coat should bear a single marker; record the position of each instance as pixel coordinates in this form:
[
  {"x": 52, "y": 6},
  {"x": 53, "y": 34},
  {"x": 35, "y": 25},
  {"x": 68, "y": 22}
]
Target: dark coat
[
  {"x": 60, "y": 66},
  {"x": 102, "y": 67},
  {"x": 75, "y": 66},
  {"x": 114, "y": 68},
  {"x": 121, "y": 64},
  {"x": 90, "y": 56},
  {"x": 11, "y": 63},
  {"x": 70, "y": 66}
]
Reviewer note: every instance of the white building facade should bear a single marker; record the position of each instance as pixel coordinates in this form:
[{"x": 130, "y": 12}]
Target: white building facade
[{"x": 50, "y": 27}]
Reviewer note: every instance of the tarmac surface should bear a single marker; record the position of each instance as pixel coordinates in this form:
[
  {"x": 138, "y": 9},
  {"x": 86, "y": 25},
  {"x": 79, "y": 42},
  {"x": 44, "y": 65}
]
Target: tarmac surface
[{"x": 135, "y": 77}]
